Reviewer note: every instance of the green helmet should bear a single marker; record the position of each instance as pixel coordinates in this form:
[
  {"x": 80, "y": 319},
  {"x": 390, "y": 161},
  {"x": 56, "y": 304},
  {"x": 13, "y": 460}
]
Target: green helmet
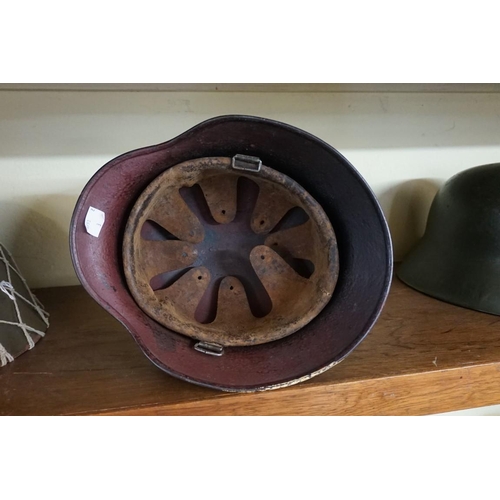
[{"x": 458, "y": 258}]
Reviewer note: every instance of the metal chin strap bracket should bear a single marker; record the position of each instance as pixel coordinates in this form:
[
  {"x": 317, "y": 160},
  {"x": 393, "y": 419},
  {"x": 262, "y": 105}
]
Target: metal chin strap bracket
[
  {"x": 209, "y": 348},
  {"x": 244, "y": 162}
]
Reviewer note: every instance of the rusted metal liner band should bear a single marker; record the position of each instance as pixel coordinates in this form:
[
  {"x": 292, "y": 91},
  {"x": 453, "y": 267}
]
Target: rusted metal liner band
[{"x": 226, "y": 256}]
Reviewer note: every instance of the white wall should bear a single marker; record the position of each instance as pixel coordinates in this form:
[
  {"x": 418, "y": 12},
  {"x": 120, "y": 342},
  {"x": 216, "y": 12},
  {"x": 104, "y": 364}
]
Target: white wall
[{"x": 51, "y": 142}]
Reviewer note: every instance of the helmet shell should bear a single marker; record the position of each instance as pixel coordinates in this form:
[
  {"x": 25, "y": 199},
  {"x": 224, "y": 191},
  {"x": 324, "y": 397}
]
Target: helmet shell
[
  {"x": 364, "y": 247},
  {"x": 458, "y": 258}
]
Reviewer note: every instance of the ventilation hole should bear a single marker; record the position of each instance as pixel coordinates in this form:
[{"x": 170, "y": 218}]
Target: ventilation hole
[
  {"x": 262, "y": 222},
  {"x": 199, "y": 277},
  {"x": 231, "y": 288},
  {"x": 223, "y": 212},
  {"x": 164, "y": 280},
  {"x": 296, "y": 216},
  {"x": 262, "y": 257},
  {"x": 152, "y": 231},
  {"x": 206, "y": 311},
  {"x": 275, "y": 244},
  {"x": 257, "y": 296},
  {"x": 303, "y": 267},
  {"x": 195, "y": 200}
]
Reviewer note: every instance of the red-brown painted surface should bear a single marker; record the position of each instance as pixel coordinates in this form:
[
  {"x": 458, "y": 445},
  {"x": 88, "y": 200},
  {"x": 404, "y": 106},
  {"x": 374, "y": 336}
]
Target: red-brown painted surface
[{"x": 363, "y": 241}]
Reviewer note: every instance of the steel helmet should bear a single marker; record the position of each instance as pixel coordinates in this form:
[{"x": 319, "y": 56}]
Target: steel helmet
[
  {"x": 243, "y": 255},
  {"x": 458, "y": 258}
]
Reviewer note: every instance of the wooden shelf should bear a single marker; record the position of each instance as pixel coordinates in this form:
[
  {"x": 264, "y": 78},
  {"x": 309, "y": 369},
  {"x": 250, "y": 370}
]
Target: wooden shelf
[
  {"x": 423, "y": 356},
  {"x": 258, "y": 87}
]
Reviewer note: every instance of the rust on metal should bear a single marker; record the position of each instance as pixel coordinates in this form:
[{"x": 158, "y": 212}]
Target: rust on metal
[
  {"x": 184, "y": 295},
  {"x": 293, "y": 240},
  {"x": 230, "y": 257},
  {"x": 221, "y": 197},
  {"x": 172, "y": 213},
  {"x": 232, "y": 305},
  {"x": 160, "y": 255},
  {"x": 271, "y": 206}
]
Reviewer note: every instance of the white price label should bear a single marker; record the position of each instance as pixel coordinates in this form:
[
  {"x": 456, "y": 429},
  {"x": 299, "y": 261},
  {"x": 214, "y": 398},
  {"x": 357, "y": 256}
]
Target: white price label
[{"x": 94, "y": 221}]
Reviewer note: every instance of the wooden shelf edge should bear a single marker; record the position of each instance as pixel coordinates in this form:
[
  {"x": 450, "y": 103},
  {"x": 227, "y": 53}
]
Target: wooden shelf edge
[
  {"x": 257, "y": 87},
  {"x": 436, "y": 391}
]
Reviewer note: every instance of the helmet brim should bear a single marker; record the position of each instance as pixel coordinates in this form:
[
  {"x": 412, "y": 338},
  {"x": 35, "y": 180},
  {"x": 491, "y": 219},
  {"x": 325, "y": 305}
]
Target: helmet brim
[{"x": 364, "y": 246}]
